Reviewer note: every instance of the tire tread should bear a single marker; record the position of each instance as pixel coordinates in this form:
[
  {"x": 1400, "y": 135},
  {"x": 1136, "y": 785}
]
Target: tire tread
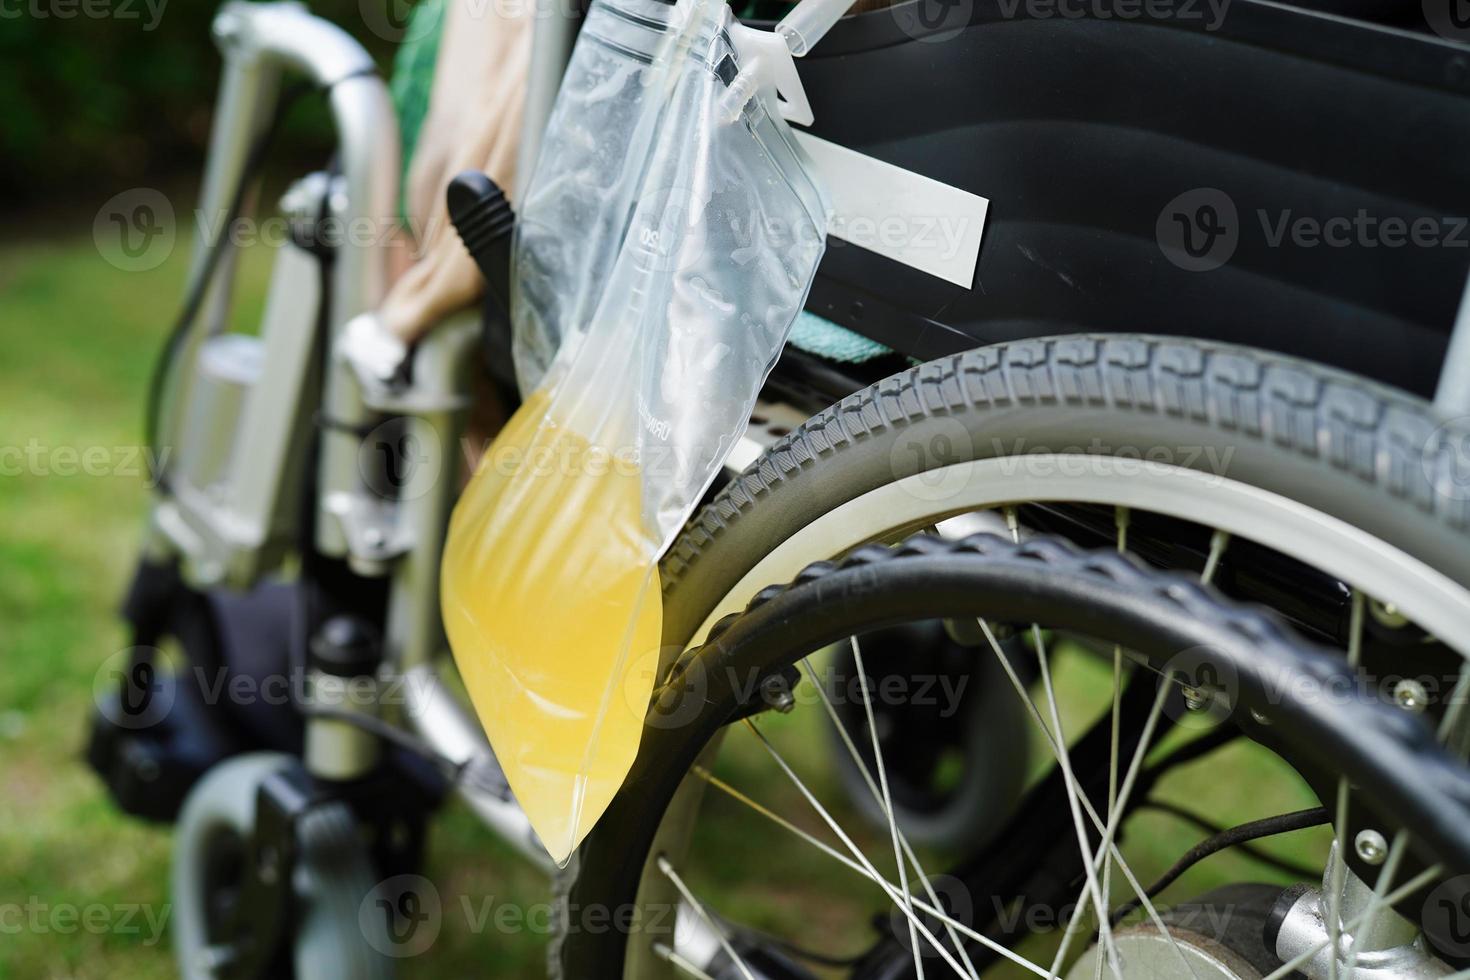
[{"x": 1384, "y": 438}]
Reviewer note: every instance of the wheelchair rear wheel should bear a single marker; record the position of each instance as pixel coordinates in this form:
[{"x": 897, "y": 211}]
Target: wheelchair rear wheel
[{"x": 1281, "y": 481}]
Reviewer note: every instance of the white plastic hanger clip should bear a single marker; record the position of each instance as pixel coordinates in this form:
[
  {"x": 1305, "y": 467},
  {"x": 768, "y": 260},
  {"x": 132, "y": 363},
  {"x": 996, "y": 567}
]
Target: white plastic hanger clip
[{"x": 767, "y": 57}]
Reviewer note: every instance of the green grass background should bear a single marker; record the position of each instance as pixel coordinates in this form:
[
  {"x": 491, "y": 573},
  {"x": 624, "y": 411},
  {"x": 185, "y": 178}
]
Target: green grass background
[{"x": 79, "y": 337}]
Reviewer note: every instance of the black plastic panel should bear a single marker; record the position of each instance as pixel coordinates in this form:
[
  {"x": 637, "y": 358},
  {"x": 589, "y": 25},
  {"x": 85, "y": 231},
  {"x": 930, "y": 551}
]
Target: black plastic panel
[{"x": 1081, "y": 132}]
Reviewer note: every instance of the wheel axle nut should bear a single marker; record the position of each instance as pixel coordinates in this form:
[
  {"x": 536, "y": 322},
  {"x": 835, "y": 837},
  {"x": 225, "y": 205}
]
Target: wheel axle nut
[{"x": 1371, "y": 847}]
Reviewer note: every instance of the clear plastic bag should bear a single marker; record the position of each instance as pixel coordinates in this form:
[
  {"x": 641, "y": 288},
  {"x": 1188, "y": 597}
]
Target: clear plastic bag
[{"x": 667, "y": 241}]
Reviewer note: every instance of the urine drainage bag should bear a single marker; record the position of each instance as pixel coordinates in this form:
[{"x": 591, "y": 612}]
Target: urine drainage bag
[{"x": 666, "y": 243}]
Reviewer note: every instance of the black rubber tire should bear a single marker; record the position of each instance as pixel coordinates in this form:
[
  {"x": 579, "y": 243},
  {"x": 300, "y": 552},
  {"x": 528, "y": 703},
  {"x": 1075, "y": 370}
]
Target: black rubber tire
[{"x": 1370, "y": 455}]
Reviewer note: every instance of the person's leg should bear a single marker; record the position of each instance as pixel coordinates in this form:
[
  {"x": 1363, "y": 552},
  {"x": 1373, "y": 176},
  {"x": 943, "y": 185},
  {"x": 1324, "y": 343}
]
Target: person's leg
[{"x": 473, "y": 123}]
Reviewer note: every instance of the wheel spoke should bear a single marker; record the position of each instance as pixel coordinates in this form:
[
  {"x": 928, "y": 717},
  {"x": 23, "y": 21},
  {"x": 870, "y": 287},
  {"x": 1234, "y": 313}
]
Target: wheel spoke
[
  {"x": 1450, "y": 733},
  {"x": 1057, "y": 751},
  {"x": 1121, "y": 517},
  {"x": 1447, "y": 730},
  {"x": 1380, "y": 888},
  {"x": 1114, "y": 819},
  {"x": 1026, "y": 699},
  {"x": 1218, "y": 540},
  {"x": 1335, "y": 875},
  {"x": 694, "y": 903},
  {"x": 665, "y": 953},
  {"x": 886, "y": 802},
  {"x": 1337, "y": 871},
  {"x": 1064, "y": 760},
  {"x": 853, "y": 849},
  {"x": 1105, "y": 932},
  {"x": 935, "y": 910},
  {"x": 862, "y": 768}
]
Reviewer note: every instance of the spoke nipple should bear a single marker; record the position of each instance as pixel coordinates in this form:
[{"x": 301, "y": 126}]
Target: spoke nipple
[
  {"x": 1259, "y": 718},
  {"x": 1371, "y": 847},
  {"x": 777, "y": 693},
  {"x": 1388, "y": 614},
  {"x": 1410, "y": 695},
  {"x": 1195, "y": 699}
]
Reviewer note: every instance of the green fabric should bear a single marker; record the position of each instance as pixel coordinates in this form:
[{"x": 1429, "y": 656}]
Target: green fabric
[
  {"x": 413, "y": 80},
  {"x": 824, "y": 338}
]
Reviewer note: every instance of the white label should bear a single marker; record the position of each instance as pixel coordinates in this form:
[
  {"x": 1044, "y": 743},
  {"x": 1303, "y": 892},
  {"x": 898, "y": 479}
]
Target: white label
[{"x": 899, "y": 214}]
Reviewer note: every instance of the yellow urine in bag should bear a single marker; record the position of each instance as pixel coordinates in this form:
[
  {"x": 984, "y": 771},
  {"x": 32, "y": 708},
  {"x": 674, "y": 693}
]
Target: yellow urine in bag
[{"x": 551, "y": 600}]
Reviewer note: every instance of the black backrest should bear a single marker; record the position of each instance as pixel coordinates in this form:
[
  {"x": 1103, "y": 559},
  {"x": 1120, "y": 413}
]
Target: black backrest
[{"x": 1091, "y": 138}]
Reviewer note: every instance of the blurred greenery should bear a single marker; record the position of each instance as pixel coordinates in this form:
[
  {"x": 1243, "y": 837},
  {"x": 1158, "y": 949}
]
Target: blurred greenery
[
  {"x": 118, "y": 93},
  {"x": 80, "y": 336}
]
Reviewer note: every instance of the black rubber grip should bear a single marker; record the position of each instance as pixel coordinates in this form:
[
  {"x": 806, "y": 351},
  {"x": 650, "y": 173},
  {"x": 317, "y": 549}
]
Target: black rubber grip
[{"x": 484, "y": 219}]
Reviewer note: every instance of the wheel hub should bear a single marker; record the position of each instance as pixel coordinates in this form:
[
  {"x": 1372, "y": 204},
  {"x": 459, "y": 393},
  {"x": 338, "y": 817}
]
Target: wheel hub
[
  {"x": 1145, "y": 953},
  {"x": 1220, "y": 935}
]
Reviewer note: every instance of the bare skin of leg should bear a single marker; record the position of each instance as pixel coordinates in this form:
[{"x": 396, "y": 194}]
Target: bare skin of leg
[{"x": 473, "y": 123}]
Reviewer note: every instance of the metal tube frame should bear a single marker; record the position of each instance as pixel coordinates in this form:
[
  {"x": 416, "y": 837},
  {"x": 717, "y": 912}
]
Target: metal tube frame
[
  {"x": 261, "y": 43},
  {"x": 402, "y": 538}
]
